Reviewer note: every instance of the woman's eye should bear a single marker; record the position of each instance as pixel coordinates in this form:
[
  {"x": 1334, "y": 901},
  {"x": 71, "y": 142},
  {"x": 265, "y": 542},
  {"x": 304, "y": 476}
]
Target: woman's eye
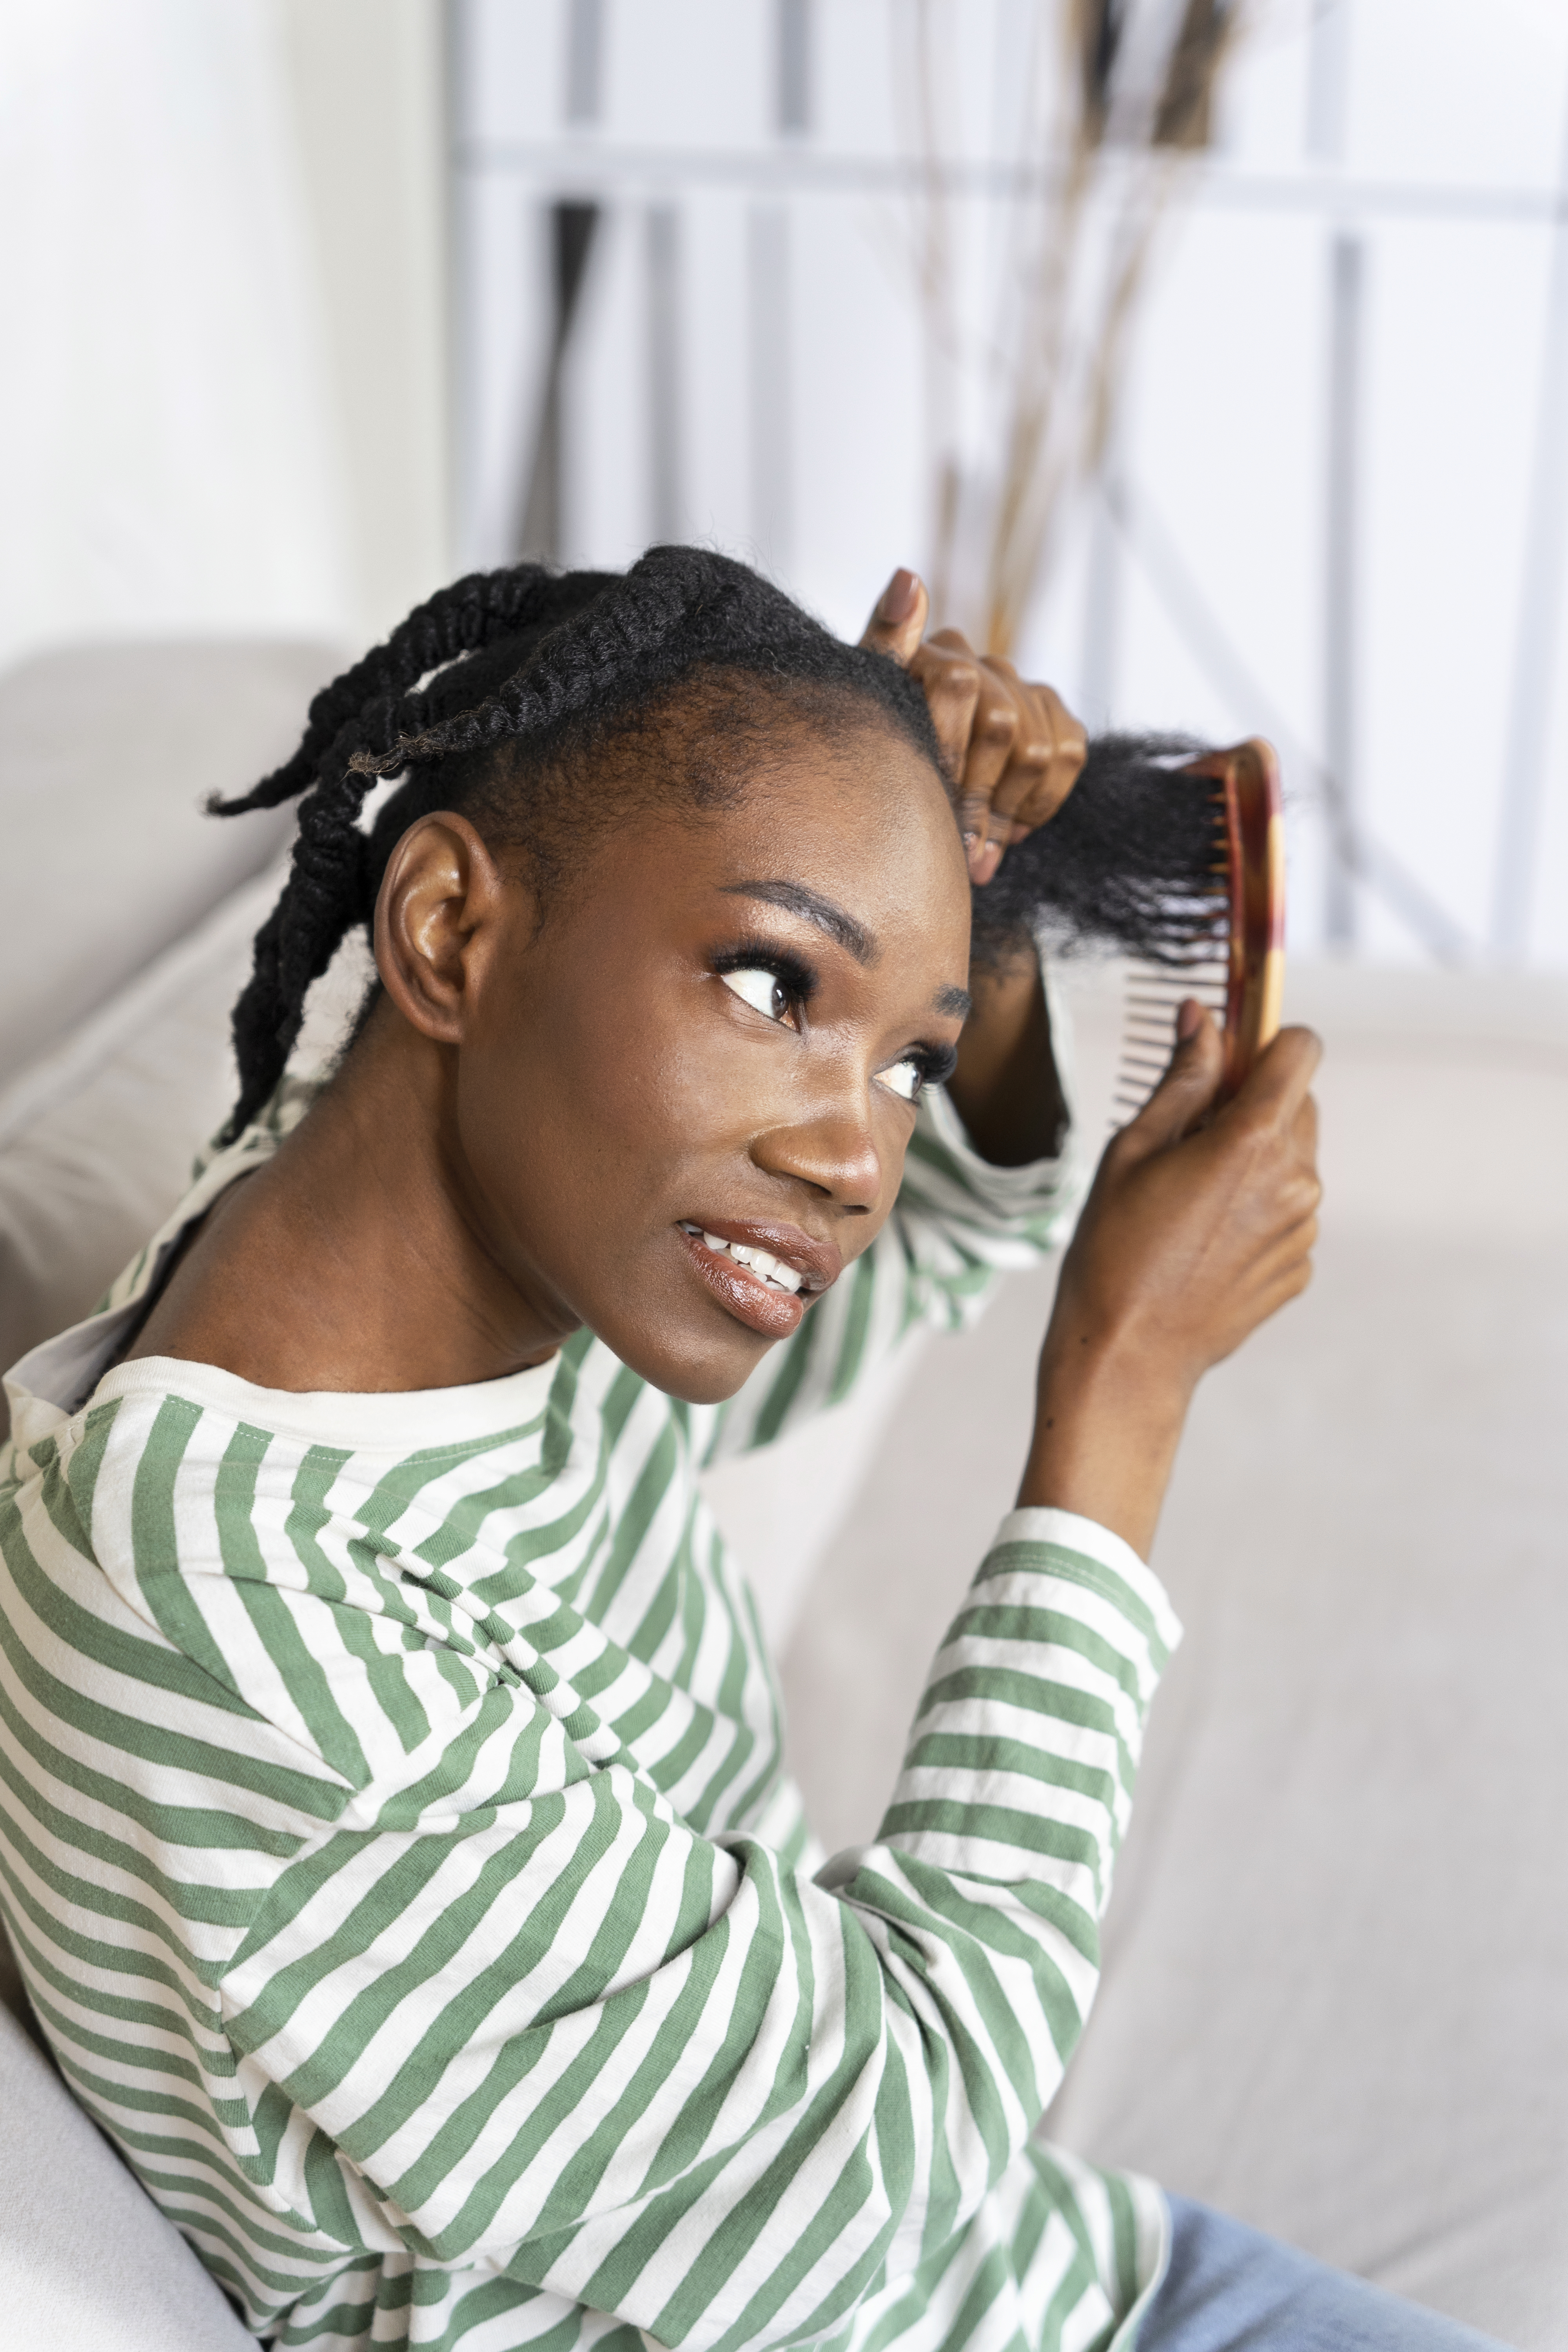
[
  {"x": 905, "y": 1079},
  {"x": 764, "y": 990}
]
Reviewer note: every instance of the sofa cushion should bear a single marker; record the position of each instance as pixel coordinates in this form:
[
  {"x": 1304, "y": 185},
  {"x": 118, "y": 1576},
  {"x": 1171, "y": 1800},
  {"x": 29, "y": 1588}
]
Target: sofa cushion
[
  {"x": 97, "y": 1138},
  {"x": 87, "y": 2264},
  {"x": 96, "y": 1142},
  {"x": 106, "y": 752}
]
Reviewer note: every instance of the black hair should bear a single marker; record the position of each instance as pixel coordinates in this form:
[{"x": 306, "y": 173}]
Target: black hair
[
  {"x": 491, "y": 696},
  {"x": 1130, "y": 861}
]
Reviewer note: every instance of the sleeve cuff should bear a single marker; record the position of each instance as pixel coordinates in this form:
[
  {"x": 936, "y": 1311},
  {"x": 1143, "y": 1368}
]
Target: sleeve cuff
[
  {"x": 1071, "y": 1532},
  {"x": 1008, "y": 1192}
]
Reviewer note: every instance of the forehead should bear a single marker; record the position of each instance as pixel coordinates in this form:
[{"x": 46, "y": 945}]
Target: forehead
[{"x": 854, "y": 812}]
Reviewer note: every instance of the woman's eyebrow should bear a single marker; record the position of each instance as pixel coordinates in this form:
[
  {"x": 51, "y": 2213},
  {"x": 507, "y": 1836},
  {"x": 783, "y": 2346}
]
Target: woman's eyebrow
[
  {"x": 957, "y": 1001},
  {"x": 797, "y": 900}
]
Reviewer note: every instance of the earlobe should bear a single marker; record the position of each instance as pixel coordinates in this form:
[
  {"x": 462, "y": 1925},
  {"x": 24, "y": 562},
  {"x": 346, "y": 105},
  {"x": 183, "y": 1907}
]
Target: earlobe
[{"x": 435, "y": 917}]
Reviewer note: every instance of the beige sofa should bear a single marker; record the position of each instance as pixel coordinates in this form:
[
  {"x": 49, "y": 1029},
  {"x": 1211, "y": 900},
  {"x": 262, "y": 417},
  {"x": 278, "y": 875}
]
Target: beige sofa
[
  {"x": 127, "y": 920},
  {"x": 1336, "y": 1996}
]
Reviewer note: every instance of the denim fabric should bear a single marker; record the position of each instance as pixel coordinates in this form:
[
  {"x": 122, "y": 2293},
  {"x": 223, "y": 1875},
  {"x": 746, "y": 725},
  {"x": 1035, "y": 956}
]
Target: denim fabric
[{"x": 1230, "y": 2289}]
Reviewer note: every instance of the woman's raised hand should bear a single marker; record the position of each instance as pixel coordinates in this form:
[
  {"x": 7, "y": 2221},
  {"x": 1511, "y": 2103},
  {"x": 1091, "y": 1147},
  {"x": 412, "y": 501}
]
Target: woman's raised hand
[
  {"x": 1196, "y": 1231},
  {"x": 1198, "y": 1227},
  {"x": 1014, "y": 748}
]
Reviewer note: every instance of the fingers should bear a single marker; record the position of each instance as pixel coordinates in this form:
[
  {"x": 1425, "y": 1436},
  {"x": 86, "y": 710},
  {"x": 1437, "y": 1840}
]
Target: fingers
[
  {"x": 1291, "y": 1259},
  {"x": 1187, "y": 1089},
  {"x": 1003, "y": 750},
  {"x": 1276, "y": 1085},
  {"x": 1013, "y": 749},
  {"x": 1286, "y": 1274},
  {"x": 1048, "y": 749},
  {"x": 950, "y": 675},
  {"x": 1023, "y": 754},
  {"x": 898, "y": 622}
]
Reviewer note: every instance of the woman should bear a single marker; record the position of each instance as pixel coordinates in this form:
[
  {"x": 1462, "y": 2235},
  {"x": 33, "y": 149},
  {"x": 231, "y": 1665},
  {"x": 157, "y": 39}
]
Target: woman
[{"x": 396, "y": 1844}]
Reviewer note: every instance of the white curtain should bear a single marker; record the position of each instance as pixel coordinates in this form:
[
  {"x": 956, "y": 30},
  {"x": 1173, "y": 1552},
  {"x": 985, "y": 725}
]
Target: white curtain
[{"x": 168, "y": 450}]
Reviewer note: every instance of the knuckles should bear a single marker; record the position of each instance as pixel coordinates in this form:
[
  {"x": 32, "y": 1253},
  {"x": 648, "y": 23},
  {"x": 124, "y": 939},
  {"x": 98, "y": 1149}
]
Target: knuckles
[
  {"x": 955, "y": 681},
  {"x": 980, "y": 699}
]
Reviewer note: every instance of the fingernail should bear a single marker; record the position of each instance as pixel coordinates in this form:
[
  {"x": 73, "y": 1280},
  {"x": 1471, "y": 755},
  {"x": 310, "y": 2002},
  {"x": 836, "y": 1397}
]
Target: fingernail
[
  {"x": 983, "y": 862},
  {"x": 898, "y": 598},
  {"x": 1189, "y": 1013}
]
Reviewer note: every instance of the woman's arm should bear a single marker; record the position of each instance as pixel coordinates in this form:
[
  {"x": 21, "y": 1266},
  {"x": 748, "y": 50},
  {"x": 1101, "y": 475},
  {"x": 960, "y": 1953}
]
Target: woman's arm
[
  {"x": 969, "y": 1209},
  {"x": 1198, "y": 1228},
  {"x": 1008, "y": 1089},
  {"x": 499, "y": 2002}
]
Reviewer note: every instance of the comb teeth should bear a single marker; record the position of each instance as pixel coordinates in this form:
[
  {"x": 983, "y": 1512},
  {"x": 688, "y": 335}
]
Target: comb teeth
[
  {"x": 1189, "y": 955},
  {"x": 1152, "y": 994}
]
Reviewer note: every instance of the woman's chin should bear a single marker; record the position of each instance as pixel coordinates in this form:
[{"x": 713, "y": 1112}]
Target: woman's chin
[{"x": 701, "y": 1363}]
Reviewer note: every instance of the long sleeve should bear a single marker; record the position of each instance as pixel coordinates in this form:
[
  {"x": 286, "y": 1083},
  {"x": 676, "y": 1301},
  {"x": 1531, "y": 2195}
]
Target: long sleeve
[{"x": 959, "y": 1225}]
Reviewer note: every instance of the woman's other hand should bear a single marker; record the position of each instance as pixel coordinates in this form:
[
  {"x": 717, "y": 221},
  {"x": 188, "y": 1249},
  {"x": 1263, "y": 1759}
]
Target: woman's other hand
[
  {"x": 1196, "y": 1231},
  {"x": 1014, "y": 748}
]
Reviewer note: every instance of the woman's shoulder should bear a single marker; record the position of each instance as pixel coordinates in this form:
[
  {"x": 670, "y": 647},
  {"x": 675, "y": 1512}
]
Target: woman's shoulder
[
  {"x": 216, "y": 1449},
  {"x": 76, "y": 1383}
]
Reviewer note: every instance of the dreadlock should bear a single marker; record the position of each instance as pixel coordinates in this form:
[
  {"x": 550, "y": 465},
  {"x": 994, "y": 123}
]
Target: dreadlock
[{"x": 492, "y": 696}]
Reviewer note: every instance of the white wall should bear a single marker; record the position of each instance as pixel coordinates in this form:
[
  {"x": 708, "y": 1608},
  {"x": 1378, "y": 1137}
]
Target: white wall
[
  {"x": 367, "y": 82},
  {"x": 225, "y": 406},
  {"x": 222, "y": 408},
  {"x": 1431, "y": 130}
]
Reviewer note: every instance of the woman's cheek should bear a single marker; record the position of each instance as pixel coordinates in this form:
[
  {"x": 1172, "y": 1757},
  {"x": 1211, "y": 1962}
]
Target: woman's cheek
[{"x": 706, "y": 1081}]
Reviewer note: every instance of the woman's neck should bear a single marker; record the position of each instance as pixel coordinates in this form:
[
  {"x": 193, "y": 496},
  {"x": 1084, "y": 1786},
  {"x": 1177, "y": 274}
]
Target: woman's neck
[{"x": 349, "y": 1261}]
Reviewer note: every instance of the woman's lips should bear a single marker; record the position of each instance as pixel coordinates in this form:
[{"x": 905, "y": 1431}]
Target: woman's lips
[
  {"x": 775, "y": 1313},
  {"x": 748, "y": 1297}
]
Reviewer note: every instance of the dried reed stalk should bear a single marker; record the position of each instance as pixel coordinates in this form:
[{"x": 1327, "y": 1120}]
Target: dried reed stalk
[{"x": 1101, "y": 157}]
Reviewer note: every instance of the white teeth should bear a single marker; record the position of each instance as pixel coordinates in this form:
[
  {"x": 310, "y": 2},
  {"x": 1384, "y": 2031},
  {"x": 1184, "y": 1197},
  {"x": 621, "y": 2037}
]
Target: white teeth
[{"x": 762, "y": 1263}]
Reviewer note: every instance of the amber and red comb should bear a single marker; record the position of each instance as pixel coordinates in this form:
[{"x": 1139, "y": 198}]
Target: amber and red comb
[{"x": 1229, "y": 950}]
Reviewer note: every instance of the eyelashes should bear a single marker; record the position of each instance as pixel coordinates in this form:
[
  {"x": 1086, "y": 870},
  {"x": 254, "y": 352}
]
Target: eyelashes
[
  {"x": 798, "y": 978},
  {"x": 797, "y": 982},
  {"x": 936, "y": 1063}
]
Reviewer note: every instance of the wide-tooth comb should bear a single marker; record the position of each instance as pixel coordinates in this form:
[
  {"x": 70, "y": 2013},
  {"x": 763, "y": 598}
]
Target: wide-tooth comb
[{"x": 1225, "y": 945}]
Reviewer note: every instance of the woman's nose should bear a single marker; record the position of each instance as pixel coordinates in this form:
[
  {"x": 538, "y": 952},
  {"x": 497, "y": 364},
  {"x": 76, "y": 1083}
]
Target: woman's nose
[{"x": 833, "y": 1152}]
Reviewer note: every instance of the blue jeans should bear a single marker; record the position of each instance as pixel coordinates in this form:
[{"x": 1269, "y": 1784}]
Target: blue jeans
[{"x": 1230, "y": 2289}]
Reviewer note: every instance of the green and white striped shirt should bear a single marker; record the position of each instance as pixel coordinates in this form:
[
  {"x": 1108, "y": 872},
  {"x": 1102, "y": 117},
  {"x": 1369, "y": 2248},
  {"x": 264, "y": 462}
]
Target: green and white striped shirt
[{"x": 396, "y": 1842}]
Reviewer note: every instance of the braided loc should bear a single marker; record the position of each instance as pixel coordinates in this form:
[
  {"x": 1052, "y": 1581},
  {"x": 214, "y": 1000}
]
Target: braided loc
[{"x": 523, "y": 670}]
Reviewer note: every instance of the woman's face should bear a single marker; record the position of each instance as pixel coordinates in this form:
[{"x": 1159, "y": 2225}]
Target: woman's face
[{"x": 681, "y": 1105}]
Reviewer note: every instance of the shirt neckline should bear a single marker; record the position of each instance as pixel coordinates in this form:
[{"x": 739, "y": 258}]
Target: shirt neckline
[
  {"x": 380, "y": 1420},
  {"x": 383, "y": 1421}
]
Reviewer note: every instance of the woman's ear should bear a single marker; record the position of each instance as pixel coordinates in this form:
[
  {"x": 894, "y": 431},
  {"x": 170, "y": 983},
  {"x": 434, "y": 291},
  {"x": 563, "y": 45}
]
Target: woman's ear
[{"x": 437, "y": 922}]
